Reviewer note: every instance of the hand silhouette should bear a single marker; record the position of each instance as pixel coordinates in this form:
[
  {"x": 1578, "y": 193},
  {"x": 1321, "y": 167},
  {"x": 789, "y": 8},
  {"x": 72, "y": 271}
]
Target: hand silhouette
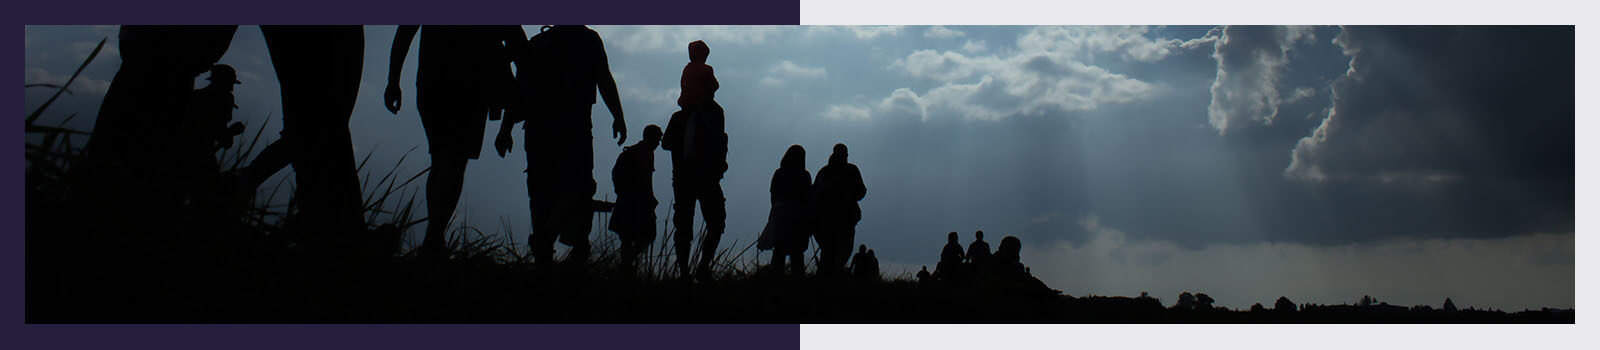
[
  {"x": 233, "y": 130},
  {"x": 391, "y": 98},
  {"x": 502, "y": 143},
  {"x": 619, "y": 130}
]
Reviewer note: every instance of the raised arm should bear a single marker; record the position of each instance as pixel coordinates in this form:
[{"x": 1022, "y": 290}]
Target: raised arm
[{"x": 397, "y": 61}]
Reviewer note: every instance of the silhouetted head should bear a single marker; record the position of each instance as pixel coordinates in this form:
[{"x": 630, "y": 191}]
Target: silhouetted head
[
  {"x": 953, "y": 237},
  {"x": 862, "y": 249},
  {"x": 841, "y": 154},
  {"x": 872, "y": 254},
  {"x": 1011, "y": 246},
  {"x": 979, "y": 235},
  {"x": 223, "y": 74},
  {"x": 698, "y": 51},
  {"x": 652, "y": 133},
  {"x": 924, "y": 268},
  {"x": 794, "y": 158}
]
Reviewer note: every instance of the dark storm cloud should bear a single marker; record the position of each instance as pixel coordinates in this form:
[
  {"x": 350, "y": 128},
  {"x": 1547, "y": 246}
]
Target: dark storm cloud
[
  {"x": 1436, "y": 104},
  {"x": 1473, "y": 126}
]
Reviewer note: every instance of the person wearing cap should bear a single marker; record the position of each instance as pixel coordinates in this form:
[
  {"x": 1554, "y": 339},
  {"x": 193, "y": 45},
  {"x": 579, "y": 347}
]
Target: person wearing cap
[
  {"x": 462, "y": 75},
  {"x": 137, "y": 145},
  {"x": 210, "y": 110},
  {"x": 699, "y": 144},
  {"x": 634, "y": 218},
  {"x": 203, "y": 129}
]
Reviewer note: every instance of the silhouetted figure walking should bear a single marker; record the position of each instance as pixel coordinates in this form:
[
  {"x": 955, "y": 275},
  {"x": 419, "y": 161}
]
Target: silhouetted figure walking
[
  {"x": 463, "y": 79},
  {"x": 977, "y": 252},
  {"x": 138, "y": 133},
  {"x": 699, "y": 145},
  {"x": 950, "y": 259},
  {"x": 319, "y": 75},
  {"x": 838, "y": 188},
  {"x": 864, "y": 265},
  {"x": 560, "y": 70},
  {"x": 923, "y": 277},
  {"x": 634, "y": 218},
  {"x": 790, "y": 219}
]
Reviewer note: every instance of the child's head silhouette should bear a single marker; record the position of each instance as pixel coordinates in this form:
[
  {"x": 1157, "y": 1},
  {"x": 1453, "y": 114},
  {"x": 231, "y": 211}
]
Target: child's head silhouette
[{"x": 698, "y": 51}]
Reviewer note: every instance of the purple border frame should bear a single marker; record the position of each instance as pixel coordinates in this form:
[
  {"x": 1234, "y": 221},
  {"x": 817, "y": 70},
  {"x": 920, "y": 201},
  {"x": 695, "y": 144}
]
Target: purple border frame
[{"x": 18, "y": 335}]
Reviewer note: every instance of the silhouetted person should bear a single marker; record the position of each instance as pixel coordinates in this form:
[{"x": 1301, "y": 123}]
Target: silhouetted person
[
  {"x": 319, "y": 75},
  {"x": 864, "y": 265},
  {"x": 858, "y": 261},
  {"x": 923, "y": 276},
  {"x": 838, "y": 188},
  {"x": 634, "y": 218},
  {"x": 1007, "y": 261},
  {"x": 203, "y": 130},
  {"x": 791, "y": 210},
  {"x": 1005, "y": 269},
  {"x": 463, "y": 74},
  {"x": 136, "y": 140},
  {"x": 978, "y": 251},
  {"x": 211, "y": 110},
  {"x": 699, "y": 144},
  {"x": 560, "y": 70},
  {"x": 949, "y": 267}
]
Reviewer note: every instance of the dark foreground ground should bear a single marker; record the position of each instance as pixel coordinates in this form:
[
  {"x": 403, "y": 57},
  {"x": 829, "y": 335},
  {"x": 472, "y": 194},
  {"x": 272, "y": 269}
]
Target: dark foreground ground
[{"x": 254, "y": 285}]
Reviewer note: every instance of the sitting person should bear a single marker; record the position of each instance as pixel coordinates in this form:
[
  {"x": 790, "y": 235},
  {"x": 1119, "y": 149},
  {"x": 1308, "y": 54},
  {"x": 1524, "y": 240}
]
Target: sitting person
[{"x": 949, "y": 265}]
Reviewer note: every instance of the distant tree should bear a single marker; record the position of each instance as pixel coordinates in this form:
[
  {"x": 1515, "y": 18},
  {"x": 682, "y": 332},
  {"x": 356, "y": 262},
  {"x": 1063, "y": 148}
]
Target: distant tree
[
  {"x": 1449, "y": 306},
  {"x": 1203, "y": 301},
  {"x": 1283, "y": 305},
  {"x": 1258, "y": 308},
  {"x": 1366, "y": 301},
  {"x": 1185, "y": 301}
]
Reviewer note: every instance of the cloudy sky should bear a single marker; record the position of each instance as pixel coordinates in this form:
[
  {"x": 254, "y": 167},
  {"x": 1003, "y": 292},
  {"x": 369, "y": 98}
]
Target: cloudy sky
[{"x": 1320, "y": 163}]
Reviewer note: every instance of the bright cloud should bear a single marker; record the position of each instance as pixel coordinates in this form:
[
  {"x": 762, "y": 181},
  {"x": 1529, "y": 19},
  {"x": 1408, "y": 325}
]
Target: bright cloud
[
  {"x": 942, "y": 32},
  {"x": 1250, "y": 62}
]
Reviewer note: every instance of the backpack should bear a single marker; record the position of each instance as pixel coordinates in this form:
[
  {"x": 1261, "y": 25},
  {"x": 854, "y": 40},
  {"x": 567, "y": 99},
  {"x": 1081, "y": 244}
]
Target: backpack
[
  {"x": 543, "y": 71},
  {"x": 704, "y": 141}
]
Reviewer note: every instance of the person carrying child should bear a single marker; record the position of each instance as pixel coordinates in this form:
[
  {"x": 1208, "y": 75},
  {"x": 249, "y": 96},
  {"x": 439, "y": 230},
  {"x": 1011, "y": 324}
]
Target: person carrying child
[{"x": 695, "y": 136}]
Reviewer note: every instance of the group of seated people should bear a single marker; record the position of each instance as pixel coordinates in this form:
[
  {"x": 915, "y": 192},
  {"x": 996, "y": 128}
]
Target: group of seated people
[{"x": 977, "y": 263}]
